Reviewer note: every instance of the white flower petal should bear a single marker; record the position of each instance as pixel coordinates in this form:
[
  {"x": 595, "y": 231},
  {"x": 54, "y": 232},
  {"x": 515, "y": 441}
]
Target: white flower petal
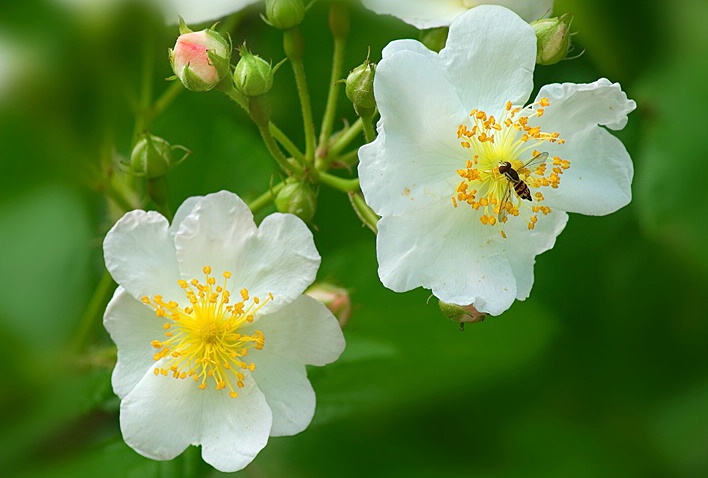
[
  {"x": 417, "y": 151},
  {"x": 279, "y": 257},
  {"x": 140, "y": 255},
  {"x": 288, "y": 393},
  {"x": 201, "y": 11},
  {"x": 161, "y": 416},
  {"x": 438, "y": 13},
  {"x": 490, "y": 57},
  {"x": 283, "y": 260},
  {"x": 214, "y": 233},
  {"x": 183, "y": 211},
  {"x": 235, "y": 429},
  {"x": 419, "y": 13},
  {"x": 304, "y": 331},
  {"x": 447, "y": 250},
  {"x": 132, "y": 326},
  {"x": 600, "y": 175},
  {"x": 529, "y": 10},
  {"x": 522, "y": 246}
]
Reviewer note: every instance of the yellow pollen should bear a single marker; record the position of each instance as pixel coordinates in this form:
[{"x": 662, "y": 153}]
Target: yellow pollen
[
  {"x": 203, "y": 342},
  {"x": 508, "y": 138}
]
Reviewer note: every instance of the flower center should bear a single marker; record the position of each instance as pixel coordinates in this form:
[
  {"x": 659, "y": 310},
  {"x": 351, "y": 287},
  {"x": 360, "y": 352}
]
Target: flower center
[
  {"x": 202, "y": 340},
  {"x": 505, "y": 169}
]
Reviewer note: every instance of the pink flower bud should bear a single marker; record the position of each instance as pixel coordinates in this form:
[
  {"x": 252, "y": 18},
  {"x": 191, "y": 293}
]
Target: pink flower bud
[
  {"x": 336, "y": 299},
  {"x": 201, "y": 59}
]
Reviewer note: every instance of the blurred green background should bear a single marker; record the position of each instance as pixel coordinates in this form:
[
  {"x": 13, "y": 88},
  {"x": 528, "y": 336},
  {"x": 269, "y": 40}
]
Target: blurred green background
[{"x": 602, "y": 372}]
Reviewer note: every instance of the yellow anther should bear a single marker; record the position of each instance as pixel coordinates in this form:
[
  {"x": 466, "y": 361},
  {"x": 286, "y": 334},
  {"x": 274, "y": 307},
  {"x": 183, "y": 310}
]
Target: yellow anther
[
  {"x": 233, "y": 395},
  {"x": 145, "y": 299},
  {"x": 244, "y": 294},
  {"x": 544, "y": 102},
  {"x": 207, "y": 270}
]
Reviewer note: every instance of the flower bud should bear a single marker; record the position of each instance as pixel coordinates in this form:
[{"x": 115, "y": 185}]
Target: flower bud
[
  {"x": 200, "y": 59},
  {"x": 285, "y": 14},
  {"x": 253, "y": 75},
  {"x": 336, "y": 299},
  {"x": 553, "y": 38},
  {"x": 152, "y": 157},
  {"x": 360, "y": 88},
  {"x": 461, "y": 313},
  {"x": 298, "y": 198}
]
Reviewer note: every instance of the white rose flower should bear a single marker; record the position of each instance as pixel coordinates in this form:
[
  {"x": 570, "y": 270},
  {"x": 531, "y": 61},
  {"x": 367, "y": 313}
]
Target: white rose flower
[
  {"x": 212, "y": 329},
  {"x": 193, "y": 11},
  {"x": 441, "y": 13},
  {"x": 452, "y": 220}
]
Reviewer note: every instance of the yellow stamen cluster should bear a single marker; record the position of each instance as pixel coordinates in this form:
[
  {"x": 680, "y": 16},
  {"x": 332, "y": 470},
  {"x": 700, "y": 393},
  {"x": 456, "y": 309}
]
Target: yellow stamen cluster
[
  {"x": 510, "y": 138},
  {"x": 202, "y": 340}
]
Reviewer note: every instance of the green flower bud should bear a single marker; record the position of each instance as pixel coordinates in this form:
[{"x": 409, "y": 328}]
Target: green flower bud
[
  {"x": 360, "y": 88},
  {"x": 253, "y": 75},
  {"x": 553, "y": 39},
  {"x": 336, "y": 299},
  {"x": 152, "y": 157},
  {"x": 298, "y": 198},
  {"x": 200, "y": 59},
  {"x": 285, "y": 14},
  {"x": 461, "y": 313}
]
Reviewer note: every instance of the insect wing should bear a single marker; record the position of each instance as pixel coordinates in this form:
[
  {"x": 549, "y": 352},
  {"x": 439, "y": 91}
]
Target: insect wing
[
  {"x": 501, "y": 217},
  {"x": 536, "y": 160}
]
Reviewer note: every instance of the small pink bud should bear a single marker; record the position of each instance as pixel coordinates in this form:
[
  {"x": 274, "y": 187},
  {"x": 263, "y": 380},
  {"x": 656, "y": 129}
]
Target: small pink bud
[
  {"x": 336, "y": 299},
  {"x": 201, "y": 59}
]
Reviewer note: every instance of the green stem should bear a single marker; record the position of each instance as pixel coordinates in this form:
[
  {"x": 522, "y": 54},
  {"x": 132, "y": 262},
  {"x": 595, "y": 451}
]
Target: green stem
[
  {"x": 348, "y": 159},
  {"x": 118, "y": 196},
  {"x": 141, "y": 116},
  {"x": 339, "y": 23},
  {"x": 96, "y": 304},
  {"x": 265, "y": 199},
  {"x": 258, "y": 109},
  {"x": 294, "y": 49},
  {"x": 346, "y": 138},
  {"x": 165, "y": 99},
  {"x": 369, "y": 132},
  {"x": 363, "y": 211},
  {"x": 344, "y": 185},
  {"x": 289, "y": 146},
  {"x": 229, "y": 90}
]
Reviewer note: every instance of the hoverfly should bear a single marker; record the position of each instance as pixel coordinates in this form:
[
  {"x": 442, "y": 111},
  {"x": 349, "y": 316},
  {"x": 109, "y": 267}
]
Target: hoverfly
[{"x": 520, "y": 187}]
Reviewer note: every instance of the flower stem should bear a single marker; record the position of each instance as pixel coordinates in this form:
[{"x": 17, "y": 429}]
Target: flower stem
[
  {"x": 344, "y": 185},
  {"x": 339, "y": 25},
  {"x": 369, "y": 132},
  {"x": 363, "y": 211},
  {"x": 98, "y": 302},
  {"x": 229, "y": 90},
  {"x": 265, "y": 199},
  {"x": 258, "y": 108},
  {"x": 165, "y": 99},
  {"x": 294, "y": 50},
  {"x": 346, "y": 138}
]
